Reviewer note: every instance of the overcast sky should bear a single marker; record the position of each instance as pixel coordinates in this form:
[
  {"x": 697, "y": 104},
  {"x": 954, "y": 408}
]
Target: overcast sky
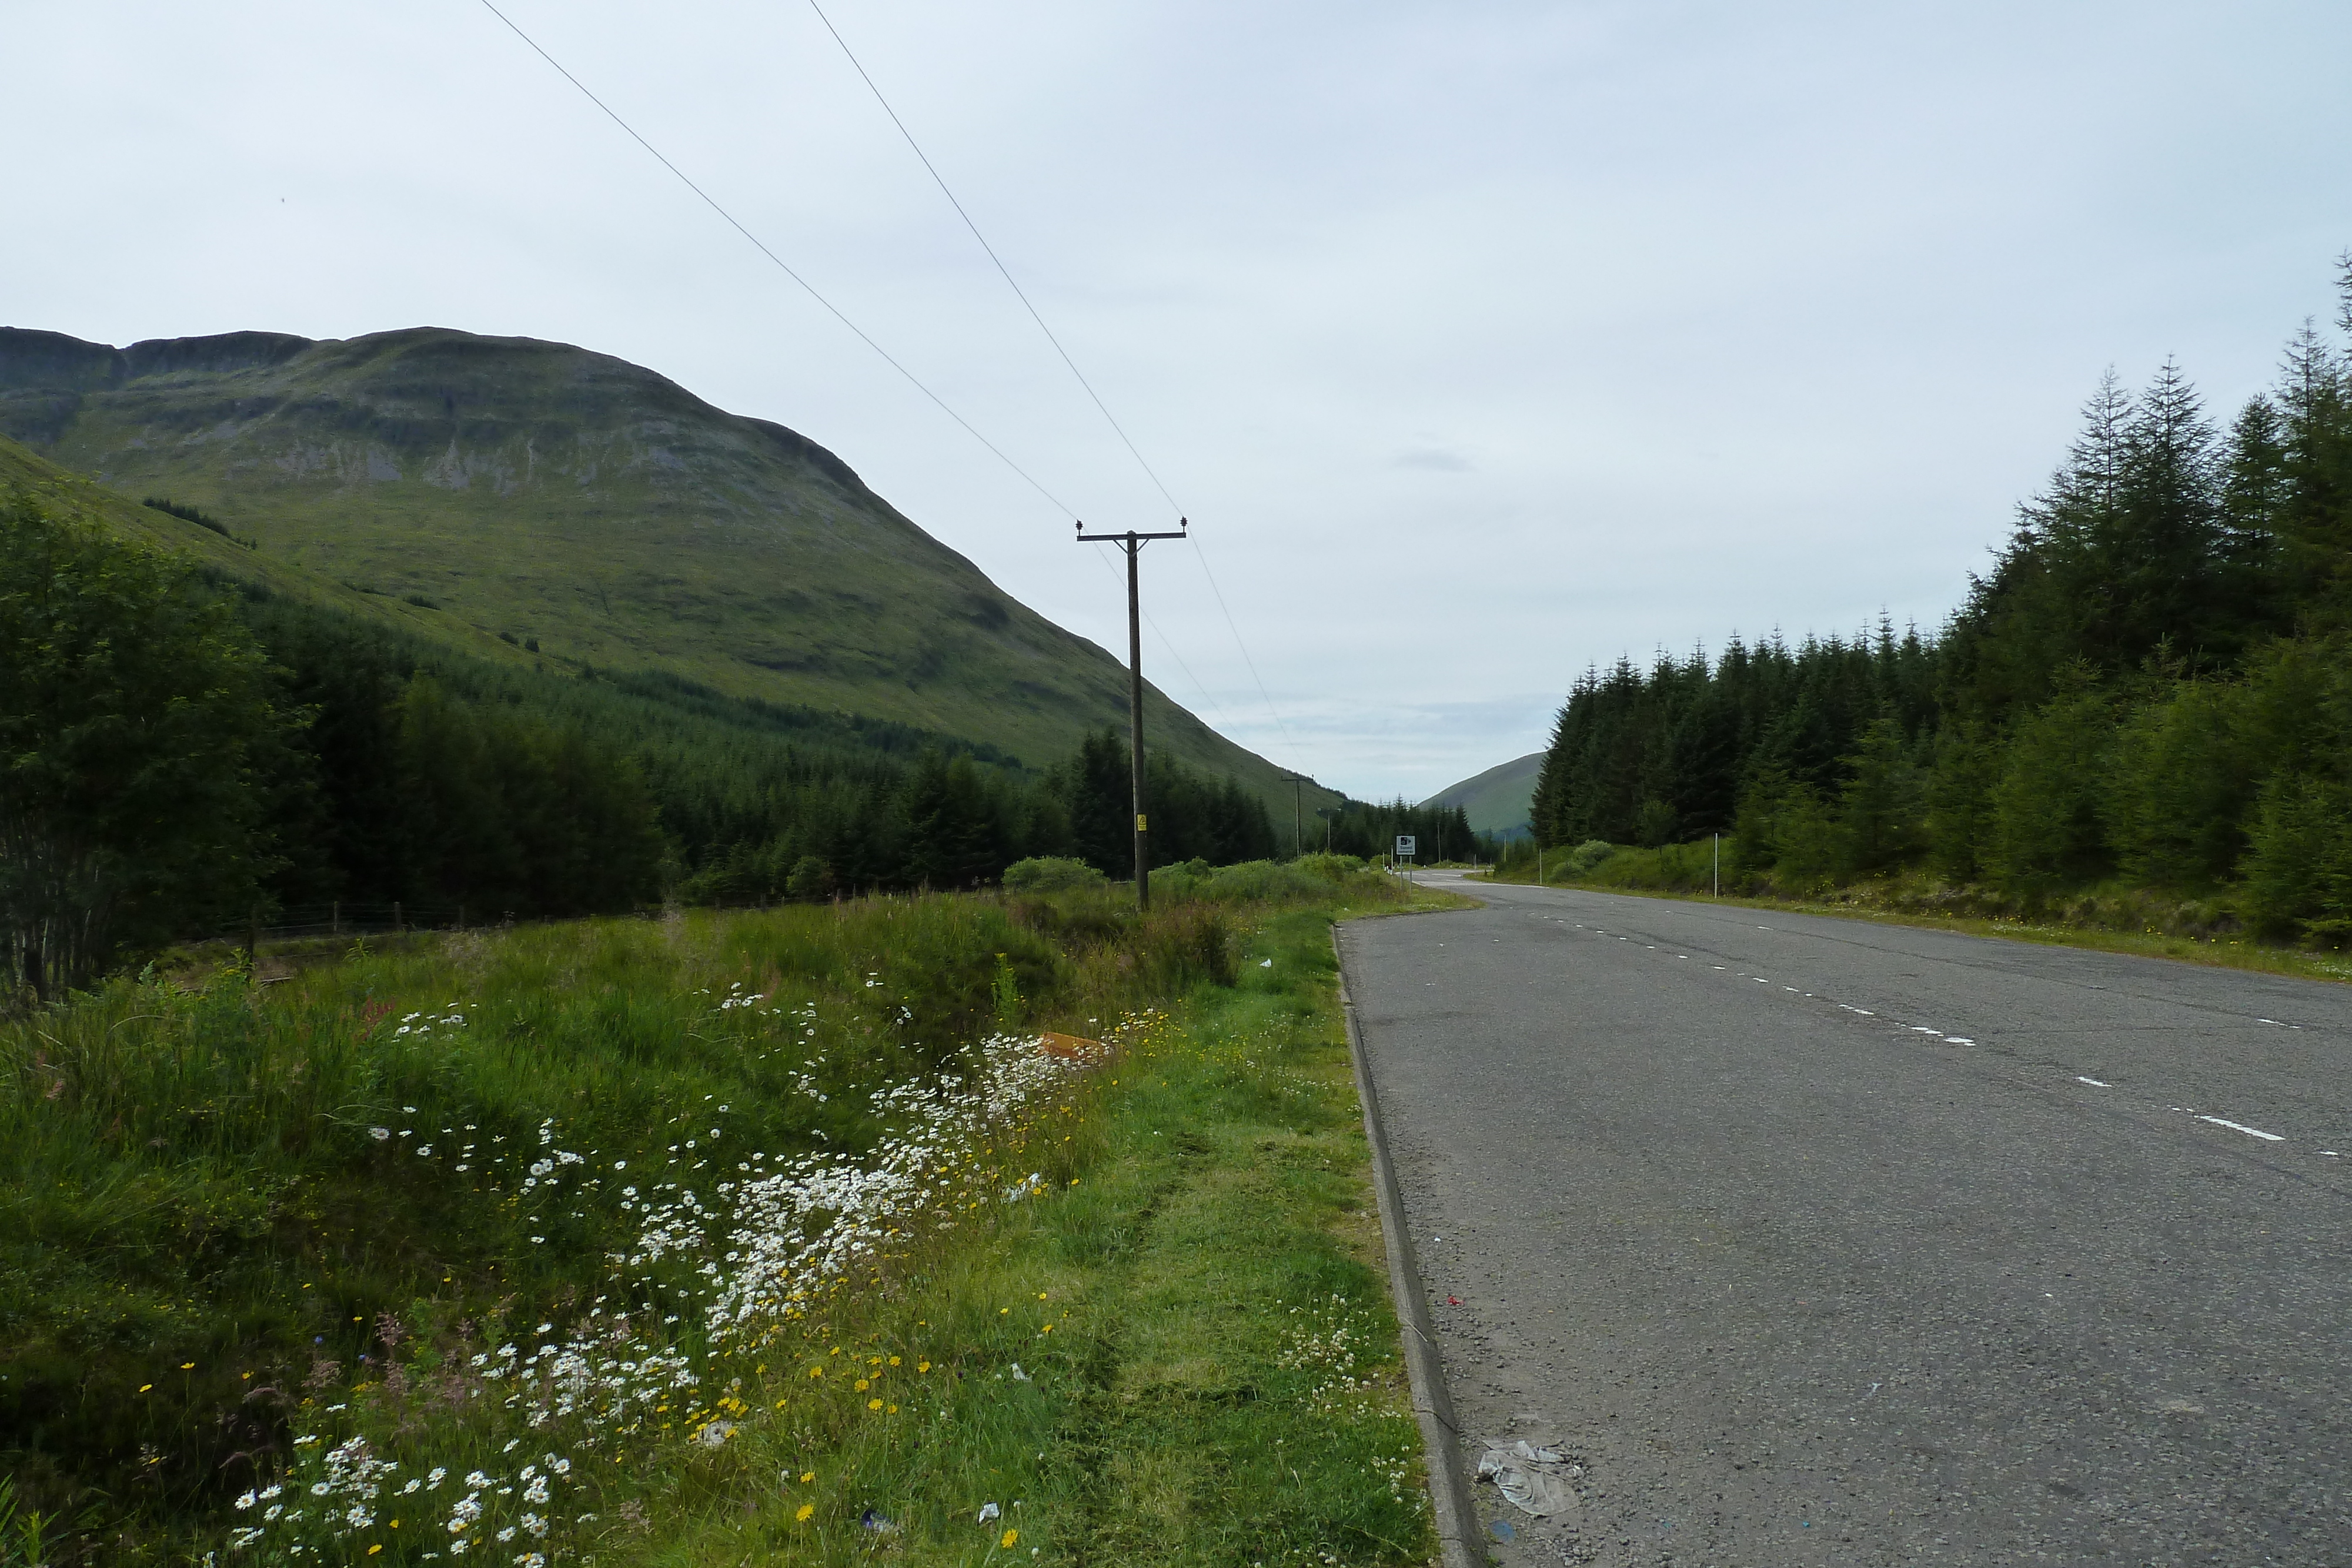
[{"x": 1480, "y": 342}]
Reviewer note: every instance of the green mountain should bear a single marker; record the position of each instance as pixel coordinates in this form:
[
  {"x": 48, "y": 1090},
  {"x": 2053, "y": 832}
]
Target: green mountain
[
  {"x": 1501, "y": 800},
  {"x": 476, "y": 489}
]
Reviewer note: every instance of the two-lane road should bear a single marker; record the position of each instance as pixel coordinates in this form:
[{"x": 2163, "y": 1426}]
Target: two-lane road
[{"x": 1817, "y": 1242}]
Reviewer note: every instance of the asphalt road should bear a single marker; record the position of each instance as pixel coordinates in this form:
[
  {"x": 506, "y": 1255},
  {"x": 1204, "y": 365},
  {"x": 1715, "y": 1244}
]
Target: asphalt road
[{"x": 1819, "y": 1241}]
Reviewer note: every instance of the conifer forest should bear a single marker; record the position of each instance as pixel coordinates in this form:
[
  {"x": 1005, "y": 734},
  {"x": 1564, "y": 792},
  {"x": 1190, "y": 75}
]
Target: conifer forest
[
  {"x": 2148, "y": 688},
  {"x": 195, "y": 756}
]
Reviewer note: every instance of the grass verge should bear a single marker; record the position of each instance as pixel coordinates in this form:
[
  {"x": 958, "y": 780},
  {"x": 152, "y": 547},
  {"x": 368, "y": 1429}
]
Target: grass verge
[
  {"x": 723, "y": 1239},
  {"x": 1890, "y": 904}
]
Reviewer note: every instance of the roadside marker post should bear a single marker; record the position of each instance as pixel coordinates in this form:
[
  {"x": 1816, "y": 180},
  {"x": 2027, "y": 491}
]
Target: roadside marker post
[{"x": 1132, "y": 543}]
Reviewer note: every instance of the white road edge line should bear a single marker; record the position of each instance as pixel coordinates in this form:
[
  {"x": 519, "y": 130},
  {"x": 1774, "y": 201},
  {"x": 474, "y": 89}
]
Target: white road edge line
[
  {"x": 2093, "y": 1083},
  {"x": 2250, "y": 1131}
]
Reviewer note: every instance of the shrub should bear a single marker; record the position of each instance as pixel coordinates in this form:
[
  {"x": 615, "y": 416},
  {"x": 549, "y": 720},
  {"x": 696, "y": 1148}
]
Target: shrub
[
  {"x": 1585, "y": 856},
  {"x": 1050, "y": 873},
  {"x": 1335, "y": 867},
  {"x": 1263, "y": 879}
]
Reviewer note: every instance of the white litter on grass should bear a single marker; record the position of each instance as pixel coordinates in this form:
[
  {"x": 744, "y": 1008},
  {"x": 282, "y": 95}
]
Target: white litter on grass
[
  {"x": 1268, "y": 963},
  {"x": 1533, "y": 1479}
]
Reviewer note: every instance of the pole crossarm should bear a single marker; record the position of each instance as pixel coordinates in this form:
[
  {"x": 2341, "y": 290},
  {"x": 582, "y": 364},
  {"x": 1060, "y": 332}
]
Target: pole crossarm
[
  {"x": 1132, "y": 541},
  {"x": 1130, "y": 537}
]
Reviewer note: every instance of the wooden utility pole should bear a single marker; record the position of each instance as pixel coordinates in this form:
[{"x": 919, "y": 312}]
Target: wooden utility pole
[
  {"x": 1133, "y": 543},
  {"x": 1296, "y": 827}
]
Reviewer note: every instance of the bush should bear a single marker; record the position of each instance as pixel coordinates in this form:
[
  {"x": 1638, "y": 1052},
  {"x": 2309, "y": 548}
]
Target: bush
[
  {"x": 1670, "y": 868},
  {"x": 1253, "y": 880},
  {"x": 1183, "y": 947},
  {"x": 1589, "y": 854},
  {"x": 1335, "y": 867},
  {"x": 1050, "y": 873}
]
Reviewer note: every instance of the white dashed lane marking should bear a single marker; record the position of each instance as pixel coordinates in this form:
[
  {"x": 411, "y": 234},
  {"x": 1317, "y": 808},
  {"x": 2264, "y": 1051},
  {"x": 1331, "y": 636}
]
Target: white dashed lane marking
[
  {"x": 2242, "y": 1127},
  {"x": 1964, "y": 1040}
]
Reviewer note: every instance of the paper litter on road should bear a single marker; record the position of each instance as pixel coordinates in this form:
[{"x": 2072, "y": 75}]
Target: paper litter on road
[{"x": 1533, "y": 1479}]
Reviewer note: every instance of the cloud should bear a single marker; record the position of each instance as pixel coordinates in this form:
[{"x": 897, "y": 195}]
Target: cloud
[{"x": 1436, "y": 457}]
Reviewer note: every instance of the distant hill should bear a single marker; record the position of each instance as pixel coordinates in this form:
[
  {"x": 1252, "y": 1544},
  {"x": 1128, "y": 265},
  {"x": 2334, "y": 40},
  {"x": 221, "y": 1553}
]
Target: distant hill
[
  {"x": 1501, "y": 800},
  {"x": 479, "y": 489}
]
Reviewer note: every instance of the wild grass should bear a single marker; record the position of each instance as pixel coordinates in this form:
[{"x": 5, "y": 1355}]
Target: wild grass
[
  {"x": 2194, "y": 928},
  {"x": 606, "y": 1235}
]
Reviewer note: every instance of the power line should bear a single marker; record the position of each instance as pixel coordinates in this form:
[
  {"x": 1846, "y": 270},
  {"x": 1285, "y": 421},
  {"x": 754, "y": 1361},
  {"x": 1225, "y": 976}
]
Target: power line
[
  {"x": 1005, "y": 272},
  {"x": 1206, "y": 695},
  {"x": 1002, "y": 270},
  {"x": 1292, "y": 745},
  {"x": 712, "y": 202},
  {"x": 892, "y": 360}
]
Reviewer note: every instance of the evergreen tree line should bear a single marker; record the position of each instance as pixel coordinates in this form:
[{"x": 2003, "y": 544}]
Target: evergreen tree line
[
  {"x": 180, "y": 754},
  {"x": 2151, "y": 688},
  {"x": 1369, "y": 830},
  {"x": 441, "y": 780}
]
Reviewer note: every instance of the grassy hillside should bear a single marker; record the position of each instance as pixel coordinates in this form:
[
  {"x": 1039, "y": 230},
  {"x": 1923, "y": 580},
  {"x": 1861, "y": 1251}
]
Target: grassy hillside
[
  {"x": 1499, "y": 800},
  {"x": 394, "y": 762},
  {"x": 470, "y": 486}
]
